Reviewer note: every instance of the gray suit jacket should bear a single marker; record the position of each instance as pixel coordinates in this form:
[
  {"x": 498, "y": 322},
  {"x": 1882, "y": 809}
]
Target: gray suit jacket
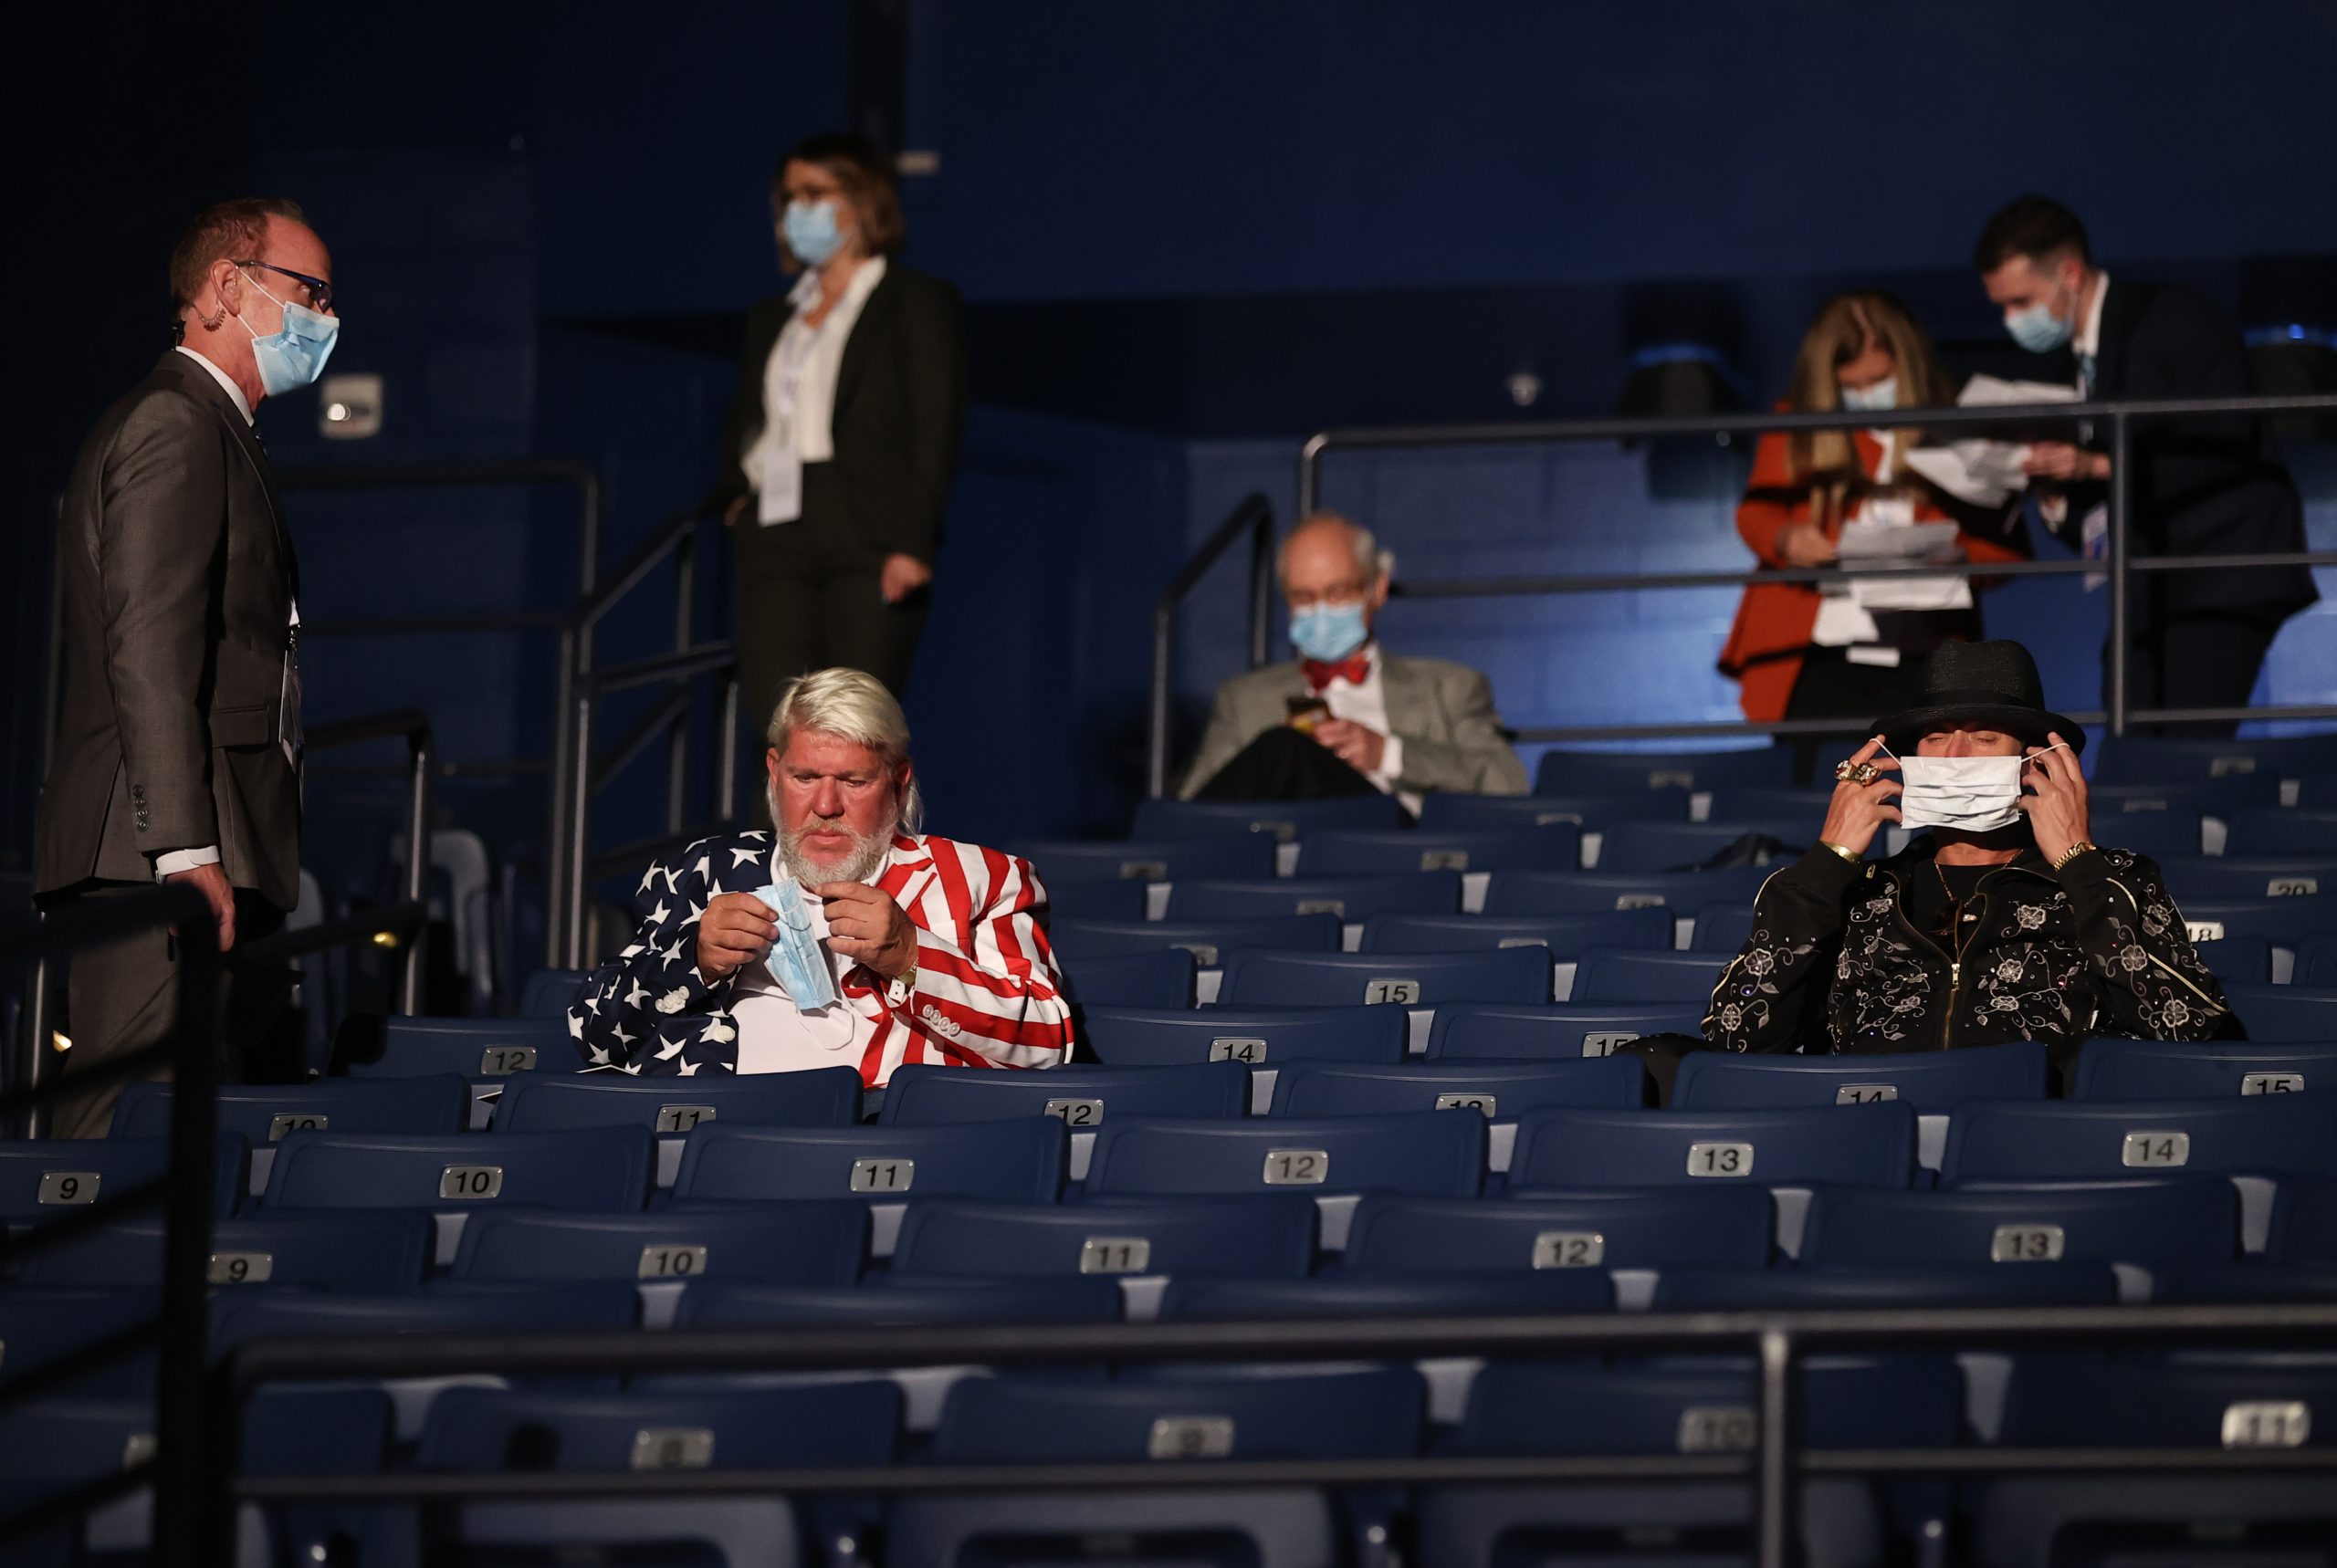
[
  {"x": 1443, "y": 712},
  {"x": 179, "y": 579}
]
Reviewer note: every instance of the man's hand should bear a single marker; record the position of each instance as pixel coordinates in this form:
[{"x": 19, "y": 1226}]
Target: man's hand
[
  {"x": 866, "y": 927},
  {"x": 1360, "y": 748},
  {"x": 904, "y": 575},
  {"x": 737, "y": 929},
  {"x": 2058, "y": 460},
  {"x": 210, "y": 880},
  {"x": 1858, "y": 812},
  {"x": 735, "y": 510},
  {"x": 1806, "y": 544},
  {"x": 2058, "y": 813}
]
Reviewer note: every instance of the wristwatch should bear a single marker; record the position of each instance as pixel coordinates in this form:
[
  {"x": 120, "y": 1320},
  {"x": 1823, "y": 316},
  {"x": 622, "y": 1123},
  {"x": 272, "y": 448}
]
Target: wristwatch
[{"x": 902, "y": 985}]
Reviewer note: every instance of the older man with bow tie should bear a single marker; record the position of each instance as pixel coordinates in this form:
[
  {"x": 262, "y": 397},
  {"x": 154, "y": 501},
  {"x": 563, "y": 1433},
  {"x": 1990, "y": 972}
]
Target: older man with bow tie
[{"x": 1346, "y": 717}]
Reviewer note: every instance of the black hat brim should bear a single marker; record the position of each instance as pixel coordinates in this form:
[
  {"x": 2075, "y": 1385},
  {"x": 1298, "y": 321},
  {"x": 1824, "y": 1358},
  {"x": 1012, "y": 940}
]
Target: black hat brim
[{"x": 1901, "y": 731}]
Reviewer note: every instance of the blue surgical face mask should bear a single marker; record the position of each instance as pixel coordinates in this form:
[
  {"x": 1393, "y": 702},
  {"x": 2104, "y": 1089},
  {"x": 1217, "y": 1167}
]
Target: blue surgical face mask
[
  {"x": 1325, "y": 633},
  {"x": 810, "y": 230},
  {"x": 294, "y": 354},
  {"x": 2038, "y": 329},
  {"x": 1882, "y": 395}
]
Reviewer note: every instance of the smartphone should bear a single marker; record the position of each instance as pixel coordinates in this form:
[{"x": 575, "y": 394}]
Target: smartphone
[{"x": 1305, "y": 713}]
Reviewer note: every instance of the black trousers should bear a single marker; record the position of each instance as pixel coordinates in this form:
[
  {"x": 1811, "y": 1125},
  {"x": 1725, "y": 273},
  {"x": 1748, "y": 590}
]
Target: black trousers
[
  {"x": 2209, "y": 660},
  {"x": 125, "y": 994},
  {"x": 1285, "y": 764}
]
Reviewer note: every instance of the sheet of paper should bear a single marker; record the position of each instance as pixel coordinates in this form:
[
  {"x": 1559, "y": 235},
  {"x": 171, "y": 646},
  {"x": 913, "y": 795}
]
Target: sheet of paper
[
  {"x": 1994, "y": 391},
  {"x": 1869, "y": 541},
  {"x": 1984, "y": 473},
  {"x": 1910, "y": 593}
]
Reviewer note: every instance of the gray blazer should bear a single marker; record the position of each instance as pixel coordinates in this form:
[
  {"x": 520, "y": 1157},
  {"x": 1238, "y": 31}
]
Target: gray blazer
[
  {"x": 1443, "y": 712},
  {"x": 179, "y": 580}
]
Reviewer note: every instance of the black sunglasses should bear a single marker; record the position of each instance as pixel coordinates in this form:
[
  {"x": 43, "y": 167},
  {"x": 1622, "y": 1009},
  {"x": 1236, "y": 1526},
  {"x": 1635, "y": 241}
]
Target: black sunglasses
[{"x": 320, "y": 291}]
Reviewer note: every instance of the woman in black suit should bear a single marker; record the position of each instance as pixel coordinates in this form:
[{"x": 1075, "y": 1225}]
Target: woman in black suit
[{"x": 843, "y": 436}]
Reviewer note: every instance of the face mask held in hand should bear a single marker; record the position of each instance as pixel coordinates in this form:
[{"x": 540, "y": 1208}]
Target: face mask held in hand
[
  {"x": 797, "y": 961},
  {"x": 1969, "y": 794},
  {"x": 1327, "y": 633},
  {"x": 294, "y": 354}
]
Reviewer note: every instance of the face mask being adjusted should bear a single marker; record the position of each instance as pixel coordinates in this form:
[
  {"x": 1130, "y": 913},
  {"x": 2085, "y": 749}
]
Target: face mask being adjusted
[
  {"x": 796, "y": 960},
  {"x": 294, "y": 354},
  {"x": 810, "y": 230},
  {"x": 1882, "y": 395},
  {"x": 1969, "y": 794},
  {"x": 1325, "y": 633}
]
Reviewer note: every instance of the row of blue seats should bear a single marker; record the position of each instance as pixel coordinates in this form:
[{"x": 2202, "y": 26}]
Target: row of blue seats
[{"x": 1422, "y": 1153}]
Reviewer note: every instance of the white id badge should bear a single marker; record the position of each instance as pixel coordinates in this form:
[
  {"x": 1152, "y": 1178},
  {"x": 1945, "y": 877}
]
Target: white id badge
[{"x": 780, "y": 498}]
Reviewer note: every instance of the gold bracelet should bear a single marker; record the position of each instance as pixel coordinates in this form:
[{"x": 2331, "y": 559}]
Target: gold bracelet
[
  {"x": 2074, "y": 850},
  {"x": 1854, "y": 860}
]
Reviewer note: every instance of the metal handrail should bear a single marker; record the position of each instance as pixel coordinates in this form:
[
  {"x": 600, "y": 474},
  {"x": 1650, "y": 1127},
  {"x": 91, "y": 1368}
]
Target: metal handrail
[
  {"x": 1778, "y": 1339},
  {"x": 1255, "y": 516}
]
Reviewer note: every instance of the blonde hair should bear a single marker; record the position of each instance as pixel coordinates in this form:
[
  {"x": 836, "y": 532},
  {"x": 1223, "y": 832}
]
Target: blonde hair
[
  {"x": 853, "y": 706},
  {"x": 1848, "y": 325}
]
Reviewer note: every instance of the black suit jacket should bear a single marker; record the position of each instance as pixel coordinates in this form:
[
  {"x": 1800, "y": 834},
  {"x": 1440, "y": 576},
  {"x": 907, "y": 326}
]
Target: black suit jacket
[
  {"x": 178, "y": 585},
  {"x": 2204, "y": 485},
  {"x": 900, "y": 406}
]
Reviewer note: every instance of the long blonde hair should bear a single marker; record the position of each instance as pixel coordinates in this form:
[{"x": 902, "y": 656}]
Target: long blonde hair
[{"x": 1847, "y": 325}]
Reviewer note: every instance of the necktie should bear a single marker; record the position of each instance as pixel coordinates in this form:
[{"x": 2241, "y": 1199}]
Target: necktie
[
  {"x": 1319, "y": 674},
  {"x": 2085, "y": 376}
]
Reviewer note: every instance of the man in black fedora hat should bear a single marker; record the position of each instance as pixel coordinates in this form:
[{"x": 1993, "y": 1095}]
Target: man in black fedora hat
[{"x": 2005, "y": 921}]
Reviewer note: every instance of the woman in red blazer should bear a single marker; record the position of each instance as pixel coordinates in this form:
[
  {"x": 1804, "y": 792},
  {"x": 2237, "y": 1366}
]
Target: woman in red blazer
[{"x": 1796, "y": 651}]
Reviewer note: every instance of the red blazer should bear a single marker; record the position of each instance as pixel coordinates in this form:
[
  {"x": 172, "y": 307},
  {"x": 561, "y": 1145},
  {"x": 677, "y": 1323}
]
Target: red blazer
[{"x": 1764, "y": 648}]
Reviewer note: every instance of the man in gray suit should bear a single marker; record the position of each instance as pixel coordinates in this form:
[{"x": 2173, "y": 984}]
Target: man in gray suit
[
  {"x": 1346, "y": 718},
  {"x": 178, "y": 747}
]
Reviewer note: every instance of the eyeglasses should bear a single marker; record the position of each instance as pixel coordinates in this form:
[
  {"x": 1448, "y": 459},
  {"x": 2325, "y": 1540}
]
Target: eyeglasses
[{"x": 320, "y": 291}]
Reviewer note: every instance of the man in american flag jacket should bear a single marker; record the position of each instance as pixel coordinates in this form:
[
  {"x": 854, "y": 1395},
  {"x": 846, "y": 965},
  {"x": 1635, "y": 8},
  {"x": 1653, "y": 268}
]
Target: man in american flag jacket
[{"x": 937, "y": 950}]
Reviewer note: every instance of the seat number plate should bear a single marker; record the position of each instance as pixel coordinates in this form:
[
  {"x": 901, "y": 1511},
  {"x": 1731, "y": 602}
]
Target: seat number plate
[
  {"x": 1865, "y": 1093},
  {"x": 296, "y": 1122},
  {"x": 1337, "y": 907},
  {"x": 883, "y": 1176},
  {"x": 2268, "y": 1424},
  {"x": 2271, "y": 1084},
  {"x": 673, "y": 1448},
  {"x": 1570, "y": 1250},
  {"x": 68, "y": 1186},
  {"x": 1716, "y": 1429},
  {"x": 502, "y": 1061},
  {"x": 1444, "y": 860},
  {"x": 1603, "y": 1043},
  {"x": 1191, "y": 1438},
  {"x": 681, "y": 1118},
  {"x": 2157, "y": 1149},
  {"x": 2291, "y": 886},
  {"x": 1144, "y": 871},
  {"x": 2025, "y": 1244},
  {"x": 1297, "y": 1168},
  {"x": 240, "y": 1268},
  {"x": 1719, "y": 1159},
  {"x": 1076, "y": 1112},
  {"x": 1114, "y": 1255},
  {"x": 1237, "y": 1048},
  {"x": 1475, "y": 1100},
  {"x": 670, "y": 1260},
  {"x": 1392, "y": 991},
  {"x": 471, "y": 1182},
  {"x": 1638, "y": 901}
]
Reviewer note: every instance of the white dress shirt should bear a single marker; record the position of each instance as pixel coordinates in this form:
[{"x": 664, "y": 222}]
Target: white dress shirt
[
  {"x": 800, "y": 377},
  {"x": 774, "y": 1035},
  {"x": 1365, "y": 703}
]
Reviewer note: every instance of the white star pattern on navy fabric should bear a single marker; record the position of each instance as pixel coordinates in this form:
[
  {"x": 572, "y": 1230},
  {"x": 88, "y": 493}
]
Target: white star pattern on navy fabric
[
  {"x": 743, "y": 857},
  {"x": 623, "y": 1038},
  {"x": 646, "y": 878},
  {"x": 638, "y": 995},
  {"x": 690, "y": 1070},
  {"x": 658, "y": 916},
  {"x": 717, "y": 1033},
  {"x": 576, "y": 1026},
  {"x": 696, "y": 911},
  {"x": 703, "y": 870}
]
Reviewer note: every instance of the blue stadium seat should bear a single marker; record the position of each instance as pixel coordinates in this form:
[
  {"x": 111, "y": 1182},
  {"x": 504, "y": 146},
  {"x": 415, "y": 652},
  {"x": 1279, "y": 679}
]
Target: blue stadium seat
[
  {"x": 1705, "y": 1406},
  {"x": 820, "y": 1097},
  {"x": 1115, "y": 901},
  {"x": 1476, "y": 1032},
  {"x": 2316, "y": 962},
  {"x": 1150, "y": 860},
  {"x": 1929, "y": 1081},
  {"x": 39, "y": 1325},
  {"x": 2147, "y": 1223},
  {"x": 1726, "y": 1227},
  {"x": 2164, "y": 1401},
  {"x": 1778, "y": 803},
  {"x": 1015, "y": 1161},
  {"x": 1204, "y": 939},
  {"x": 1511, "y": 893},
  {"x": 1859, "y": 1145},
  {"x": 2210, "y": 1070},
  {"x": 1163, "y": 978},
  {"x": 847, "y": 1422},
  {"x": 1427, "y": 1153},
  {"x": 2225, "y": 879},
  {"x": 243, "y": 1317},
  {"x": 1266, "y": 1236},
  {"x": 1336, "y": 1412},
  {"x": 1257, "y": 1527},
  {"x": 261, "y": 1113},
  {"x": 1631, "y": 975},
  {"x": 548, "y": 993},
  {"x": 1611, "y": 772},
  {"x": 1261, "y": 1037},
  {"x": 2149, "y": 759},
  {"x": 2304, "y": 1223},
  {"x": 2246, "y": 1280},
  {"x": 1722, "y": 928},
  {"x": 999, "y": 1300},
  {"x": 1359, "y": 1295},
  {"x": 1447, "y": 814},
  {"x": 1503, "y": 1090},
  {"x": 1281, "y": 821},
  {"x": 479, "y": 1049},
  {"x": 2071, "y": 1284},
  {"x": 1082, "y": 1097},
  {"x": 2243, "y": 960},
  {"x": 380, "y": 1250},
  {"x": 603, "y": 1169},
  {"x": 2291, "y": 1012},
  {"x": 1351, "y": 898},
  {"x": 2171, "y": 834},
  {"x": 58, "y": 1177},
  {"x": 1631, "y": 849},
  {"x": 1565, "y": 936},
  {"x": 1554, "y": 848},
  {"x": 2290, "y": 1134},
  {"x": 2284, "y": 921},
  {"x": 2208, "y": 797},
  {"x": 808, "y": 1242},
  {"x": 1412, "y": 979}
]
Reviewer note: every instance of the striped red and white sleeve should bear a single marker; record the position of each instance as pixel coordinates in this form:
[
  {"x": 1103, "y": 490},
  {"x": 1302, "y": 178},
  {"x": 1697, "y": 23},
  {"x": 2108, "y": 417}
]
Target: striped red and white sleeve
[{"x": 988, "y": 993}]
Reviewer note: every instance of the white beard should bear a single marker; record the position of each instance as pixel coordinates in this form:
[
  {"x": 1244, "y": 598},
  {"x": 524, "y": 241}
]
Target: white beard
[{"x": 859, "y": 863}]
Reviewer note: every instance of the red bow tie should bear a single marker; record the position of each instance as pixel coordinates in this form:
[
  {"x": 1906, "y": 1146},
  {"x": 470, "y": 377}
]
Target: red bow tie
[{"x": 1353, "y": 671}]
